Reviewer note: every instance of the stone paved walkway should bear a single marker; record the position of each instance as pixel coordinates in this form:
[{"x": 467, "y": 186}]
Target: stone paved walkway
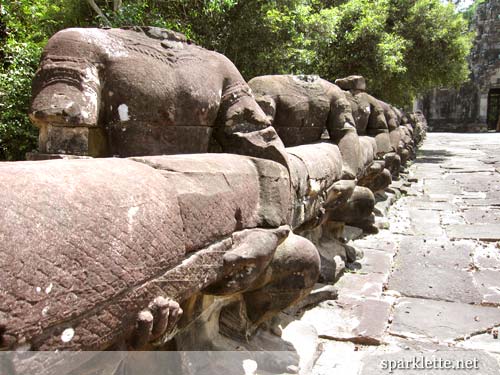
[{"x": 429, "y": 285}]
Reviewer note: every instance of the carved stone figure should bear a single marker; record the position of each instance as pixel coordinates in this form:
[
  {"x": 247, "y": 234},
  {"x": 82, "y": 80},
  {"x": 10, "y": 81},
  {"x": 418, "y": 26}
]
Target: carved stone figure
[
  {"x": 419, "y": 124},
  {"x": 401, "y": 134},
  {"x": 376, "y": 119},
  {"x": 135, "y": 253},
  {"x": 144, "y": 91},
  {"x": 367, "y": 112},
  {"x": 101, "y": 253},
  {"x": 301, "y": 108}
]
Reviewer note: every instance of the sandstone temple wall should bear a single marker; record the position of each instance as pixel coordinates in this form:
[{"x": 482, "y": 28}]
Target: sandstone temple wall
[{"x": 474, "y": 106}]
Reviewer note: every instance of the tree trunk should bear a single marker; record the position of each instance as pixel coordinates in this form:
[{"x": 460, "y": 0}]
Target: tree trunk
[
  {"x": 98, "y": 10},
  {"x": 117, "y": 4}
]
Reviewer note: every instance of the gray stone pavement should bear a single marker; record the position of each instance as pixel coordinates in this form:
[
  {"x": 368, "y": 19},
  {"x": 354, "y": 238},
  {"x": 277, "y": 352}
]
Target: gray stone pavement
[{"x": 428, "y": 287}]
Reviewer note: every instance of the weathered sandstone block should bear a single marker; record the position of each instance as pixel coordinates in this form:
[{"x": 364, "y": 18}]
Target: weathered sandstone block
[{"x": 313, "y": 170}]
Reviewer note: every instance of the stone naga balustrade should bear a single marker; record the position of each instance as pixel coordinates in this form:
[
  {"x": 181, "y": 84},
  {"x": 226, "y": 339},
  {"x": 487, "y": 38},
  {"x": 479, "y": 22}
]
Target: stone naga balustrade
[{"x": 107, "y": 253}]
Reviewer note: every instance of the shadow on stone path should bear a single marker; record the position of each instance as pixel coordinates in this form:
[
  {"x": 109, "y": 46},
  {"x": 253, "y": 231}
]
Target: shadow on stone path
[{"x": 428, "y": 287}]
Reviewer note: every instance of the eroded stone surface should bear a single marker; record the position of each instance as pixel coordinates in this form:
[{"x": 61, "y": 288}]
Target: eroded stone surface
[
  {"x": 485, "y": 232},
  {"x": 355, "y": 320},
  {"x": 422, "y": 264},
  {"x": 488, "y": 284},
  {"x": 114, "y": 110},
  {"x": 445, "y": 321}
]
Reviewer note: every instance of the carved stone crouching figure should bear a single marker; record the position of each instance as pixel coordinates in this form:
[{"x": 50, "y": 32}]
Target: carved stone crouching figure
[
  {"x": 408, "y": 143},
  {"x": 377, "y": 177},
  {"x": 367, "y": 112},
  {"x": 144, "y": 91},
  {"x": 393, "y": 158},
  {"x": 291, "y": 274},
  {"x": 419, "y": 124},
  {"x": 357, "y": 211},
  {"x": 371, "y": 124},
  {"x": 301, "y": 108}
]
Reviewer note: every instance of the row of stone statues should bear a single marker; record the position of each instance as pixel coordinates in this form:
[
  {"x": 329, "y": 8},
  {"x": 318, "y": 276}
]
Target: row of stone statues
[{"x": 226, "y": 204}]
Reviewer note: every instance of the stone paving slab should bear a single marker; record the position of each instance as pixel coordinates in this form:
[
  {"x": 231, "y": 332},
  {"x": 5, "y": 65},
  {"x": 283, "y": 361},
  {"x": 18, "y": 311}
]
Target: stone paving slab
[
  {"x": 440, "y": 197},
  {"x": 435, "y": 269},
  {"x": 488, "y": 284},
  {"x": 375, "y": 261},
  {"x": 481, "y": 184},
  {"x": 444, "y": 321},
  {"x": 451, "y": 218},
  {"x": 484, "y": 232},
  {"x": 482, "y": 215},
  {"x": 482, "y": 202},
  {"x": 472, "y": 169},
  {"x": 487, "y": 256},
  {"x": 340, "y": 358},
  {"x": 377, "y": 243},
  {"x": 485, "y": 341},
  {"x": 361, "y": 321},
  {"x": 465, "y": 178},
  {"x": 433, "y": 186},
  {"x": 427, "y": 174},
  {"x": 361, "y": 285},
  {"x": 425, "y": 204},
  {"x": 443, "y": 284},
  {"x": 426, "y": 222}
]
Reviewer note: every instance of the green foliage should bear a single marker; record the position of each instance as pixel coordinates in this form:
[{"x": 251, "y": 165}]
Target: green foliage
[
  {"x": 402, "y": 47},
  {"x": 439, "y": 43},
  {"x": 27, "y": 26},
  {"x": 470, "y": 11},
  {"x": 17, "y": 135}
]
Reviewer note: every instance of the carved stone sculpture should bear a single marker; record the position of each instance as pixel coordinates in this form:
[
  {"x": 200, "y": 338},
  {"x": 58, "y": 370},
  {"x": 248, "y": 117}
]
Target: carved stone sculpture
[
  {"x": 201, "y": 249},
  {"x": 87, "y": 264},
  {"x": 143, "y": 91},
  {"x": 376, "y": 119},
  {"x": 301, "y": 108},
  {"x": 367, "y": 112}
]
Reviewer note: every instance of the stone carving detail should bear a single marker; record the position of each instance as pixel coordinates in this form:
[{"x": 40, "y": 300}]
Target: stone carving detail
[
  {"x": 112, "y": 262},
  {"x": 388, "y": 125},
  {"x": 301, "y": 108},
  {"x": 201, "y": 249},
  {"x": 143, "y": 91}
]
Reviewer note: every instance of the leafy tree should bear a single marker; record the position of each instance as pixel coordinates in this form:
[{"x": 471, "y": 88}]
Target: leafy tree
[
  {"x": 439, "y": 43},
  {"x": 26, "y": 26},
  {"x": 402, "y": 47},
  {"x": 470, "y": 11}
]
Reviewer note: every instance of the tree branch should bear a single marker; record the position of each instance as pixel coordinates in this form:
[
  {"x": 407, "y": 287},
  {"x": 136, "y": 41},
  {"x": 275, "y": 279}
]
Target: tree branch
[
  {"x": 98, "y": 10},
  {"x": 117, "y": 4}
]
